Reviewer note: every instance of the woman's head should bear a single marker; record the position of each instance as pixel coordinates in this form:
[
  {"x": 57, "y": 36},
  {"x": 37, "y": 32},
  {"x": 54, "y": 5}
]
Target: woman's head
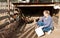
[{"x": 46, "y": 13}]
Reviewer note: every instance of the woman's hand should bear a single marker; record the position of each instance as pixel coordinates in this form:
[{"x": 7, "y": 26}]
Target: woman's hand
[{"x": 41, "y": 26}]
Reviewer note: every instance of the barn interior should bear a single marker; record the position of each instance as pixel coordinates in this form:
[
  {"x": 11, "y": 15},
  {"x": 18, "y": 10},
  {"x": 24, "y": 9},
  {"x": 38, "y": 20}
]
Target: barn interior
[
  {"x": 22, "y": 17},
  {"x": 36, "y": 12}
]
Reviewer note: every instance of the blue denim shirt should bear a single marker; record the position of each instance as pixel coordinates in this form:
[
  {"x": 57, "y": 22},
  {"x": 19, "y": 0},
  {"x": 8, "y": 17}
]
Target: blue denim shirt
[{"x": 47, "y": 22}]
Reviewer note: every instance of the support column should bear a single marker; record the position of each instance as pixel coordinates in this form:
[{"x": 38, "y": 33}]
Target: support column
[
  {"x": 59, "y": 18},
  {"x": 57, "y": 6},
  {"x": 8, "y": 1}
]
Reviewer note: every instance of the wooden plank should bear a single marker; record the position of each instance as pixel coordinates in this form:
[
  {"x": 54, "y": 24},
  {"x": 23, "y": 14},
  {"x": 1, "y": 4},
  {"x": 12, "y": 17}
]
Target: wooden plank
[
  {"x": 30, "y": 3},
  {"x": 35, "y": 5}
]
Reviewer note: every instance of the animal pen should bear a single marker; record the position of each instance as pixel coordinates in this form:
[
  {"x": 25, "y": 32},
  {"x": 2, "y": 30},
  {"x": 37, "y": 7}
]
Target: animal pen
[
  {"x": 36, "y": 9},
  {"x": 23, "y": 15}
]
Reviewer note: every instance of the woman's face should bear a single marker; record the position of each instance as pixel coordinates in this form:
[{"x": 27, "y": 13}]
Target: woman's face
[{"x": 45, "y": 14}]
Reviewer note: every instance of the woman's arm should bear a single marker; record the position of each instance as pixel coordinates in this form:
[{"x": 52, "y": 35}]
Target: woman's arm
[
  {"x": 49, "y": 21},
  {"x": 41, "y": 18}
]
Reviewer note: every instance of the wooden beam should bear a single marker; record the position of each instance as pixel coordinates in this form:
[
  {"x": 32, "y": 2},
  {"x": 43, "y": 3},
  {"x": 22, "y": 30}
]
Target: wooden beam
[
  {"x": 31, "y": 3},
  {"x": 35, "y": 5}
]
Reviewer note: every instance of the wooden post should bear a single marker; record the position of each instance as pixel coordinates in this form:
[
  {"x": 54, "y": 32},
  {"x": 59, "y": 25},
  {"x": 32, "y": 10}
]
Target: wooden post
[
  {"x": 59, "y": 17},
  {"x": 35, "y": 1},
  {"x": 8, "y": 2},
  {"x": 52, "y": 1},
  {"x": 57, "y": 6}
]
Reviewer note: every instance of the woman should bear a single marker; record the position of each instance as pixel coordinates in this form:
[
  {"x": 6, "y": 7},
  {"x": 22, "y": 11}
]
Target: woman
[{"x": 46, "y": 22}]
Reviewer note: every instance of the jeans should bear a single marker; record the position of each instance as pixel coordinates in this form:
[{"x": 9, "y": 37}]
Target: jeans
[{"x": 45, "y": 29}]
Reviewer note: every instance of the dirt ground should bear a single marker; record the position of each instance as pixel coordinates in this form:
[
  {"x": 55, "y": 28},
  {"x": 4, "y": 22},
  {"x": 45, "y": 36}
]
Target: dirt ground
[{"x": 29, "y": 32}]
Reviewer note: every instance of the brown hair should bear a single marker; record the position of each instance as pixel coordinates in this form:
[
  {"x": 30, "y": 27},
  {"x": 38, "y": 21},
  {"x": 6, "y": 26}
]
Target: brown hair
[{"x": 47, "y": 11}]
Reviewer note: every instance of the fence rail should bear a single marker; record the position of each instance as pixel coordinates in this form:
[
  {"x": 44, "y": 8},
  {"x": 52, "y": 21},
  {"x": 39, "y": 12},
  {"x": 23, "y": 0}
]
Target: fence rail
[{"x": 4, "y": 5}]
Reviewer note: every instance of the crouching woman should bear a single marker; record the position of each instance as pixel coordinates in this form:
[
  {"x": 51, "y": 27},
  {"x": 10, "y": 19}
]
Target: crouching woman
[{"x": 46, "y": 22}]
